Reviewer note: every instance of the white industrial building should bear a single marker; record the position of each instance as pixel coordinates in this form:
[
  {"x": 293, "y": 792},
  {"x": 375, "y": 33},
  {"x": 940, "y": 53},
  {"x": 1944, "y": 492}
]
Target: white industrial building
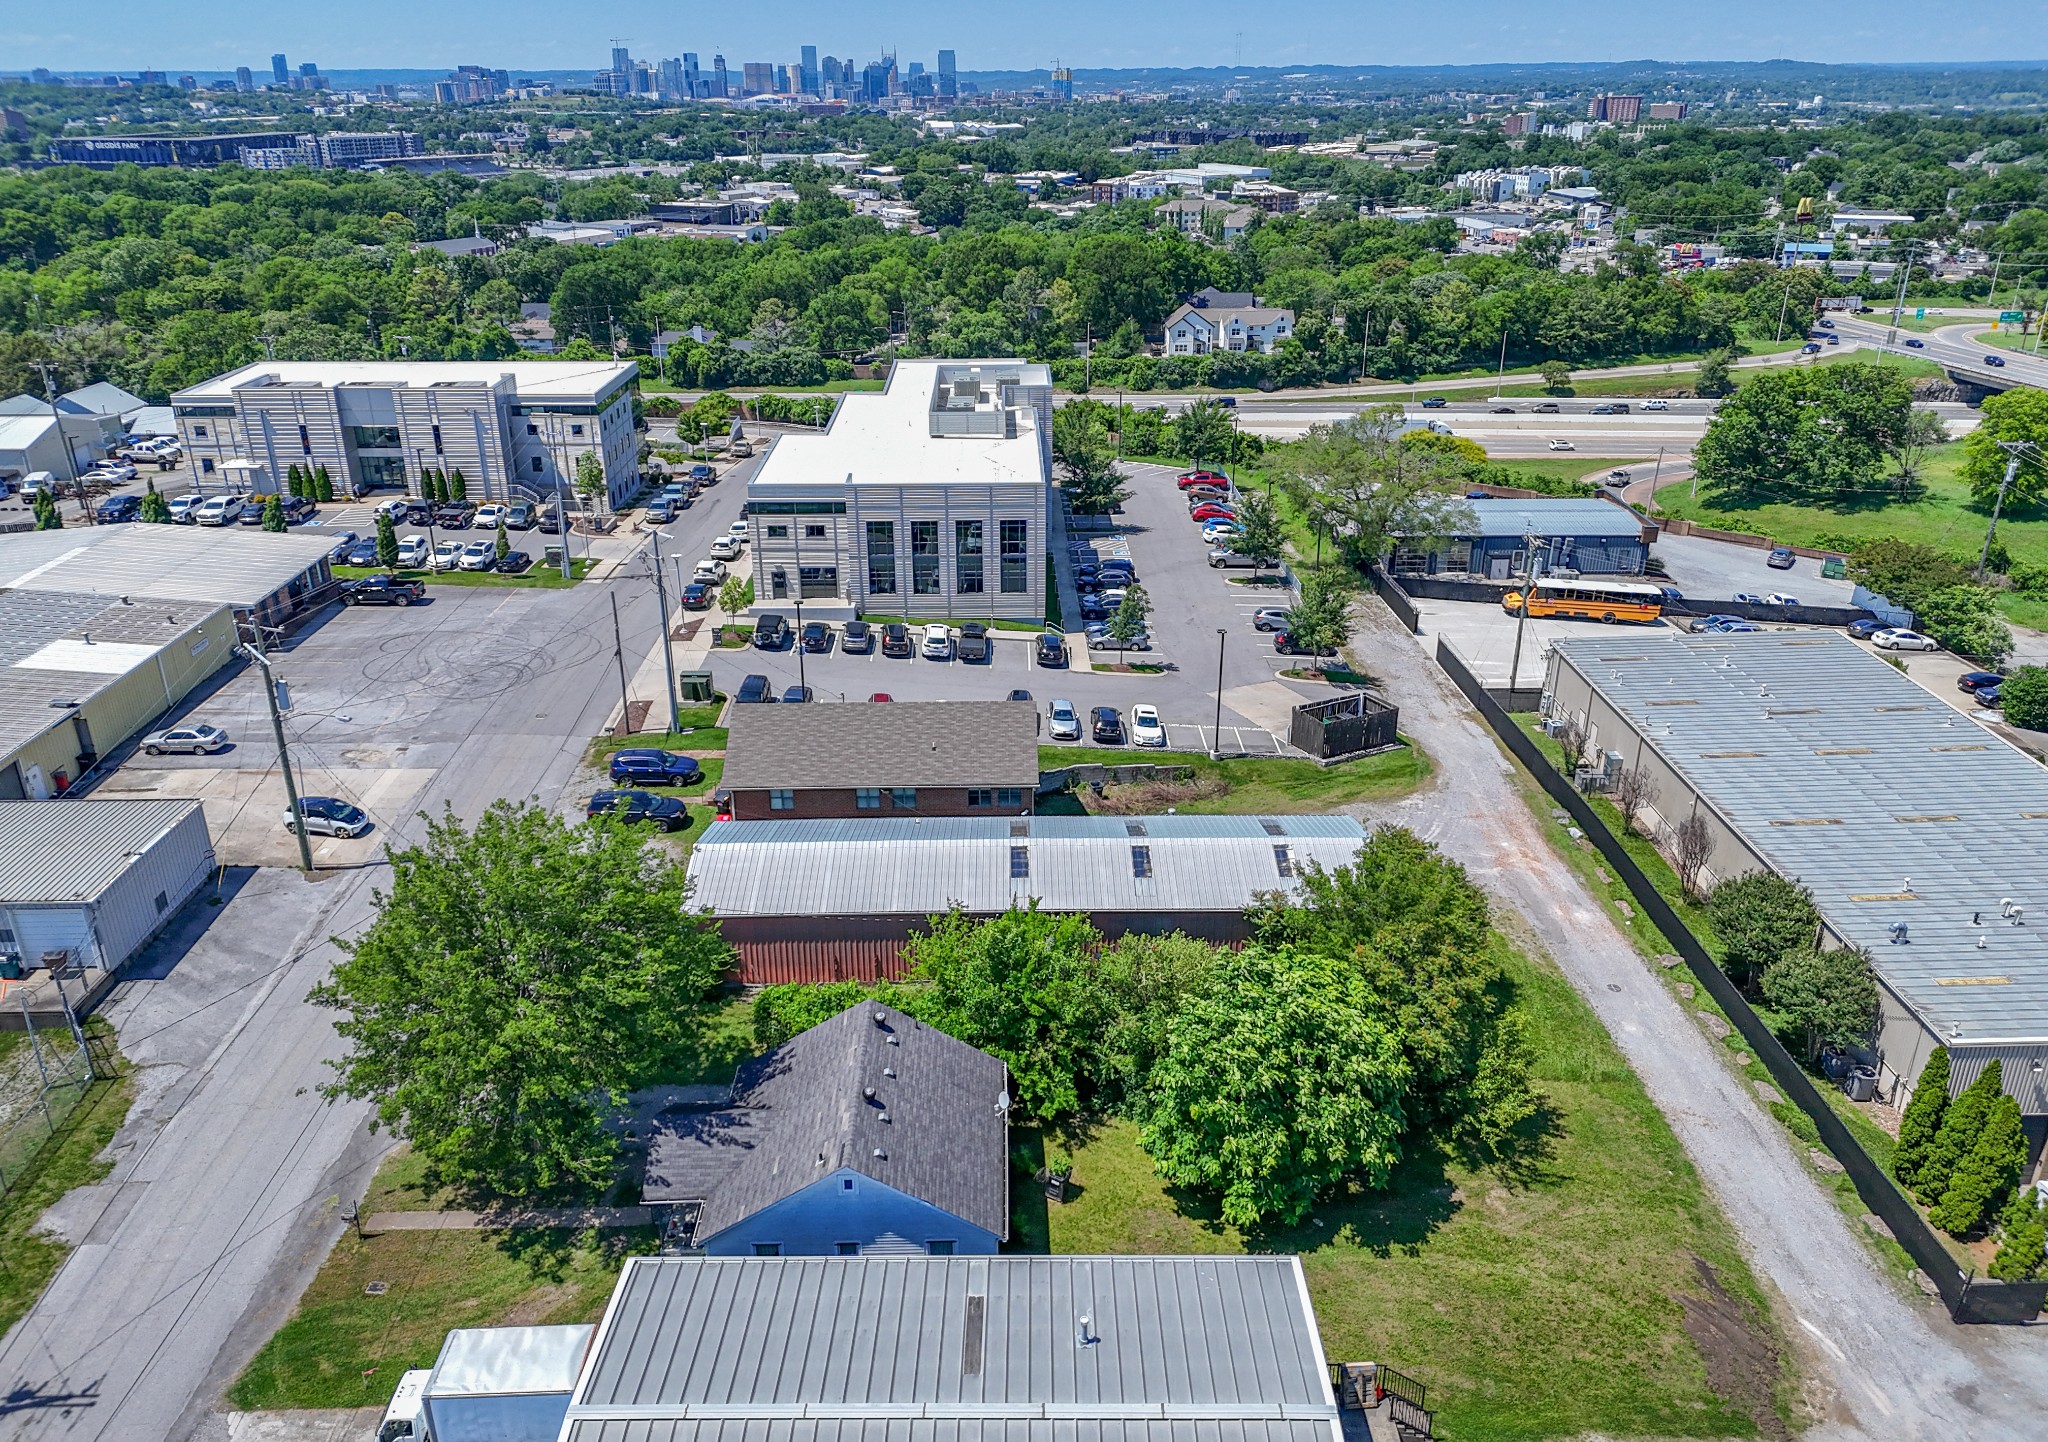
[
  {"x": 927, "y": 500},
  {"x": 513, "y": 428}
]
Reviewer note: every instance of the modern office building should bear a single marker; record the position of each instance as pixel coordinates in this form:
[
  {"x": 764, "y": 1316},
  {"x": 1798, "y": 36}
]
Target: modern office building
[
  {"x": 511, "y": 427},
  {"x": 810, "y": 70},
  {"x": 340, "y": 149},
  {"x": 280, "y": 71},
  {"x": 926, "y": 500},
  {"x": 244, "y": 80},
  {"x": 721, "y": 84},
  {"x": 692, "y": 82},
  {"x": 949, "y": 76}
]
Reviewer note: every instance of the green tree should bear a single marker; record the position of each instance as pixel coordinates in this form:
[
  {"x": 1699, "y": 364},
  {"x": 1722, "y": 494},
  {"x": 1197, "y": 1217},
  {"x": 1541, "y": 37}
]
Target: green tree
[
  {"x": 273, "y": 513},
  {"x": 1087, "y": 460},
  {"x": 780, "y": 1012},
  {"x": 1202, "y": 432},
  {"x": 589, "y": 478},
  {"x": 1127, "y": 621},
  {"x": 732, "y": 594},
  {"x": 47, "y": 516},
  {"x": 1906, "y": 572},
  {"x": 2023, "y": 697},
  {"x": 1280, "y": 1081},
  {"x": 518, "y": 980},
  {"x": 1922, "y": 1120},
  {"x": 1965, "y": 619},
  {"x": 1759, "y": 917},
  {"x": 1831, "y": 996},
  {"x": 1320, "y": 623},
  {"x": 2023, "y": 1248},
  {"x": 155, "y": 509},
  {"x": 387, "y": 543},
  {"x": 1814, "y": 433},
  {"x": 1716, "y": 374},
  {"x": 1258, "y": 527},
  {"x": 1557, "y": 378},
  {"x": 1960, "y": 1127},
  {"x": 458, "y": 488},
  {"x": 323, "y": 486},
  {"x": 1354, "y": 480},
  {"x": 1984, "y": 1180},
  {"x": 503, "y": 545},
  {"x": 291, "y": 479},
  {"x": 2017, "y": 415}
]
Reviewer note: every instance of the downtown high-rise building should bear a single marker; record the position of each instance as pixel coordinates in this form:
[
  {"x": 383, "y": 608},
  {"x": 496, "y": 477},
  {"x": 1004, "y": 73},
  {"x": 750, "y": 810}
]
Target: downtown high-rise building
[
  {"x": 721, "y": 84},
  {"x": 949, "y": 76},
  {"x": 244, "y": 80},
  {"x": 280, "y": 71},
  {"x": 691, "y": 80},
  {"x": 810, "y": 70}
]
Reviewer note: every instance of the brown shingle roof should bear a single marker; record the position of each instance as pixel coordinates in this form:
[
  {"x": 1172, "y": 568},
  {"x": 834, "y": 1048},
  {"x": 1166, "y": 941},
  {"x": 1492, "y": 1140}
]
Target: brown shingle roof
[{"x": 903, "y": 743}]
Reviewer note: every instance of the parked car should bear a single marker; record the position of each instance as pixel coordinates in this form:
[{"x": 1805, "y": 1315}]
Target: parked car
[
  {"x": 252, "y": 512},
  {"x": 1051, "y": 649},
  {"x": 1749, "y": 598},
  {"x": 297, "y": 510},
  {"x": 753, "y": 689},
  {"x": 1221, "y": 558},
  {"x": 383, "y": 591},
  {"x": 771, "y": 632},
  {"x": 455, "y": 515},
  {"x": 702, "y": 474},
  {"x": 1995, "y": 360},
  {"x": 514, "y": 562},
  {"x": 362, "y": 553},
  {"x": 184, "y": 509},
  {"x": 973, "y": 641},
  {"x": 327, "y": 816},
  {"x": 739, "y": 530},
  {"x": 218, "y": 511},
  {"x": 117, "y": 508},
  {"x": 857, "y": 638},
  {"x": 1915, "y": 343},
  {"x": 817, "y": 636},
  {"x": 741, "y": 448},
  {"x": 522, "y": 516},
  {"x": 418, "y": 512},
  {"x": 489, "y": 517},
  {"x": 1284, "y": 644},
  {"x": 1210, "y": 511},
  {"x": 1100, "y": 640},
  {"x": 1779, "y": 598},
  {"x": 696, "y": 597},
  {"x": 1975, "y": 681},
  {"x": 1780, "y": 558},
  {"x": 725, "y": 548},
  {"x": 344, "y": 542},
  {"x": 647, "y": 766},
  {"x": 1062, "y": 721},
  {"x": 1216, "y": 533},
  {"x": 1898, "y": 638},
  {"x": 446, "y": 556},
  {"x": 1202, "y": 478},
  {"x": 938, "y": 643},
  {"x": 479, "y": 555},
  {"x": 709, "y": 569},
  {"x": 118, "y": 470},
  {"x": 667, "y": 812},
  {"x": 1106, "y": 727},
  {"x": 1092, "y": 609},
  {"x": 1989, "y": 697},
  {"x": 1272, "y": 618},
  {"x": 412, "y": 552},
  {"x": 797, "y": 694},
  {"x": 661, "y": 510},
  {"x": 1434, "y": 403},
  {"x": 1146, "y": 727},
  {"x": 550, "y": 522},
  {"x": 1558, "y": 443},
  {"x": 195, "y": 740},
  {"x": 1864, "y": 627},
  {"x": 393, "y": 508},
  {"x": 1657, "y": 403},
  {"x": 896, "y": 640},
  {"x": 1700, "y": 625},
  {"x": 880, "y": 698}
]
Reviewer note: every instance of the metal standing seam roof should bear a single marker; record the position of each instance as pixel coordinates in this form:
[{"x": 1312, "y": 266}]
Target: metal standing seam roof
[
  {"x": 223, "y": 565},
  {"x": 800, "y": 1113},
  {"x": 901, "y": 867},
  {"x": 903, "y": 743},
  {"x": 1551, "y": 516},
  {"x": 933, "y": 1349},
  {"x": 72, "y": 851},
  {"x": 1886, "y": 802}
]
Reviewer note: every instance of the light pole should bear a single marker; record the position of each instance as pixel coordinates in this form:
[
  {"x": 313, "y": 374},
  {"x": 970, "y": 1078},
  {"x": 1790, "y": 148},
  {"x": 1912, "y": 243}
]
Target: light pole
[
  {"x": 668, "y": 655},
  {"x": 1216, "y": 737}
]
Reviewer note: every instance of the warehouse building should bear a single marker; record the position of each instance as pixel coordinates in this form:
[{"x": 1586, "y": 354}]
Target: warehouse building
[
  {"x": 945, "y": 1349},
  {"x": 833, "y": 900},
  {"x": 513, "y": 428},
  {"x": 1922, "y": 836},
  {"x": 922, "y": 758},
  {"x": 264, "y": 578},
  {"x": 927, "y": 500},
  {"x": 1592, "y": 537},
  {"x": 84, "y": 885}
]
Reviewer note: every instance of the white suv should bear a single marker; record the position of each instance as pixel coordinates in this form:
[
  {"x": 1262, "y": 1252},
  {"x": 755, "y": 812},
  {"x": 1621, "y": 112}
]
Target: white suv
[
  {"x": 218, "y": 511},
  {"x": 938, "y": 643}
]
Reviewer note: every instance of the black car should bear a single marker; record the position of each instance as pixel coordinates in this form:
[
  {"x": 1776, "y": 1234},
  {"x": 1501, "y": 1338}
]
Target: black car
[
  {"x": 753, "y": 690},
  {"x": 817, "y": 636},
  {"x": 252, "y": 511},
  {"x": 1052, "y": 649},
  {"x": 1611, "y": 408},
  {"x": 117, "y": 508},
  {"x": 513, "y": 563},
  {"x": 973, "y": 642},
  {"x": 1988, "y": 697},
  {"x": 1106, "y": 726},
  {"x": 454, "y": 515},
  {"x": 419, "y": 512},
  {"x": 1093, "y": 610},
  {"x": 1995, "y": 360},
  {"x": 857, "y": 638},
  {"x": 383, "y": 591},
  {"x": 362, "y": 553},
  {"x": 896, "y": 640},
  {"x": 1976, "y": 681},
  {"x": 522, "y": 516},
  {"x": 1913, "y": 344},
  {"x": 1435, "y": 403},
  {"x": 644, "y": 766},
  {"x": 696, "y": 597},
  {"x": 771, "y": 632},
  {"x": 1284, "y": 644},
  {"x": 1864, "y": 627},
  {"x": 343, "y": 544},
  {"x": 798, "y": 694},
  {"x": 1503, "y": 410},
  {"x": 550, "y": 522},
  {"x": 664, "y": 811}
]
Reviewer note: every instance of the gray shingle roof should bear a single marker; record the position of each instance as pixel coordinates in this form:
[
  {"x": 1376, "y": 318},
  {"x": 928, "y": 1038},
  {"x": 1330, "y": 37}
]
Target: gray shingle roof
[
  {"x": 801, "y": 1114},
  {"x": 957, "y": 1349},
  {"x": 905, "y": 743}
]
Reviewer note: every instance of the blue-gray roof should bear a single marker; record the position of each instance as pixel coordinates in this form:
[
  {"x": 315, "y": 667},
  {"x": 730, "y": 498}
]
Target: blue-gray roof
[{"x": 1551, "y": 516}]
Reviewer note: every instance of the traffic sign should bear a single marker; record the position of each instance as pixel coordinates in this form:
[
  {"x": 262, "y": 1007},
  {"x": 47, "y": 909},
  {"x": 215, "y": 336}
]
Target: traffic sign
[
  {"x": 1920, "y": 314},
  {"x": 2012, "y": 317}
]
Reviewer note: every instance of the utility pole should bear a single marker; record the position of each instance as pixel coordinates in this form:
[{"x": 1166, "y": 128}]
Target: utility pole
[
  {"x": 1500, "y": 376},
  {"x": 619, "y": 655},
  {"x": 1216, "y": 741},
  {"x": 668, "y": 655},
  {"x": 284, "y": 758},
  {"x": 1899, "y": 300},
  {"x": 2013, "y": 451},
  {"x": 562, "y": 521},
  {"x": 1528, "y": 585},
  {"x": 64, "y": 441},
  {"x": 1780, "y": 335}
]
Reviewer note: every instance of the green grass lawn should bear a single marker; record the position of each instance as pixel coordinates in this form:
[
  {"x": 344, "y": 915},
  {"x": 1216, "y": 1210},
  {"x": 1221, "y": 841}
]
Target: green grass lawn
[
  {"x": 538, "y": 577},
  {"x": 1260, "y": 786},
  {"x": 2009, "y": 339},
  {"x": 1570, "y": 465},
  {"x": 1536, "y": 1298},
  {"x": 70, "y": 1158}
]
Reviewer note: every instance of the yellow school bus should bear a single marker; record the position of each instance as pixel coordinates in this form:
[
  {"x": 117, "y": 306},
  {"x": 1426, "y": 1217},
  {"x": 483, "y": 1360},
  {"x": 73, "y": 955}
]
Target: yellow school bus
[{"x": 1588, "y": 600}]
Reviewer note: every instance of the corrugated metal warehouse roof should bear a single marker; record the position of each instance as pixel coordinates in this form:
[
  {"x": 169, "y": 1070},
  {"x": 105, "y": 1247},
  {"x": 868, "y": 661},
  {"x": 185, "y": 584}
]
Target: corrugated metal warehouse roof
[
  {"x": 1848, "y": 777},
  {"x": 932, "y": 1349},
  {"x": 1552, "y": 516},
  {"x": 901, "y": 867},
  {"x": 905, "y": 743},
  {"x": 74, "y": 850},
  {"x": 224, "y": 565}
]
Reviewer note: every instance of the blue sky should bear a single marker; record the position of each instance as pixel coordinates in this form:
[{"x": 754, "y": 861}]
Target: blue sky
[{"x": 549, "y": 34}]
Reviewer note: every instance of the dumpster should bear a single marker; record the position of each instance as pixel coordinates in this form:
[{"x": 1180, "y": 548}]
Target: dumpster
[{"x": 694, "y": 686}]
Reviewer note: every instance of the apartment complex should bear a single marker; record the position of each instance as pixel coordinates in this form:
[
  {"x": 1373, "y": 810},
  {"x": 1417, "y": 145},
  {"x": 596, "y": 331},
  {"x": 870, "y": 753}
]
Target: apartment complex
[
  {"x": 927, "y": 500},
  {"x": 511, "y": 427},
  {"x": 336, "y": 150},
  {"x": 1220, "y": 320}
]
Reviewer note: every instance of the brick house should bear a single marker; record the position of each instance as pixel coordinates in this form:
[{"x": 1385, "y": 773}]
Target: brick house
[{"x": 816, "y": 761}]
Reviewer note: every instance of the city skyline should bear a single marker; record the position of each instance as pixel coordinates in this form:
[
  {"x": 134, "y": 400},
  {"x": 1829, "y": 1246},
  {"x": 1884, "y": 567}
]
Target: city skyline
[{"x": 126, "y": 35}]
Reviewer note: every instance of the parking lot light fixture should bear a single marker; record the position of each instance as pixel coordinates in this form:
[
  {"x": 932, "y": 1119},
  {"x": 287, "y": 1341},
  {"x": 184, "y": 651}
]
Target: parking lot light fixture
[{"x": 1216, "y": 740}]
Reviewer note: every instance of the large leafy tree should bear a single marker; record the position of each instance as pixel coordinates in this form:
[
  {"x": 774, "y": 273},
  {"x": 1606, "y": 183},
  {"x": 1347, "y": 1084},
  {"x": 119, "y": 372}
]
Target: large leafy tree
[
  {"x": 2017, "y": 415},
  {"x": 1321, "y": 619},
  {"x": 1354, "y": 479},
  {"x": 1258, "y": 528},
  {"x": 1830, "y": 996},
  {"x": 519, "y": 978},
  {"x": 1759, "y": 917},
  {"x": 1203, "y": 433},
  {"x": 1087, "y": 460},
  {"x": 1280, "y": 1081},
  {"x": 1818, "y": 432}
]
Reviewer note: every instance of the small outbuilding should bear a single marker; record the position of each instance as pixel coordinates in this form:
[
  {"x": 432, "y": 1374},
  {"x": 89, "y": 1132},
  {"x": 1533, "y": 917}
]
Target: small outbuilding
[{"x": 1590, "y": 536}]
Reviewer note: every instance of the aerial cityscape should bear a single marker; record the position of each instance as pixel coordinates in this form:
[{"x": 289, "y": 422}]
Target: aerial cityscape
[{"x": 1297, "y": 727}]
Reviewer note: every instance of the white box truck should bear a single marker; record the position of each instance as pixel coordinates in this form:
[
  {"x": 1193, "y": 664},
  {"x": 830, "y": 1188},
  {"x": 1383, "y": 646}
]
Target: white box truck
[{"x": 490, "y": 1384}]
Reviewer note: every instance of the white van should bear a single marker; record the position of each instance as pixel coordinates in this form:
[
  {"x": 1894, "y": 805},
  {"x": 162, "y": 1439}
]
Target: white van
[{"x": 38, "y": 483}]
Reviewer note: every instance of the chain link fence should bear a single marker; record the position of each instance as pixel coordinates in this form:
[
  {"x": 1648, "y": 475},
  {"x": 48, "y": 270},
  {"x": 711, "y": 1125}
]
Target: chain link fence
[{"x": 46, "y": 1069}]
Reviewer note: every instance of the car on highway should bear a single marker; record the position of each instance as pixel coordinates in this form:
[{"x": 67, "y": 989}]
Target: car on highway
[
  {"x": 1210, "y": 511},
  {"x": 1810, "y": 348},
  {"x": 973, "y": 644},
  {"x": 771, "y": 632},
  {"x": 1864, "y": 627},
  {"x": 383, "y": 591},
  {"x": 194, "y": 740},
  {"x": 648, "y": 766},
  {"x": 455, "y": 515},
  {"x": 1546, "y": 408},
  {"x": 816, "y": 637},
  {"x": 857, "y": 638},
  {"x": 896, "y": 640},
  {"x": 1559, "y": 444},
  {"x": 938, "y": 643},
  {"x": 412, "y": 551},
  {"x": 696, "y": 597},
  {"x": 1833, "y": 340},
  {"x": 1106, "y": 726},
  {"x": 218, "y": 511},
  {"x": 1974, "y": 681},
  {"x": 1781, "y": 558},
  {"x": 753, "y": 690},
  {"x": 1051, "y": 649},
  {"x": 479, "y": 556},
  {"x": 1502, "y": 411},
  {"x": 881, "y": 698},
  {"x": 1272, "y": 618},
  {"x": 344, "y": 542},
  {"x": 1915, "y": 343},
  {"x": 117, "y": 508},
  {"x": 726, "y": 548},
  {"x": 1222, "y": 558},
  {"x": 446, "y": 556},
  {"x": 1657, "y": 404},
  {"x": 327, "y": 816},
  {"x": 667, "y": 812},
  {"x": 1826, "y": 324},
  {"x": 1434, "y": 403},
  {"x": 1995, "y": 360},
  {"x": 522, "y": 516},
  {"x": 513, "y": 563},
  {"x": 1898, "y": 638},
  {"x": 1201, "y": 478},
  {"x": 490, "y": 517},
  {"x": 1146, "y": 727},
  {"x": 1611, "y": 408}
]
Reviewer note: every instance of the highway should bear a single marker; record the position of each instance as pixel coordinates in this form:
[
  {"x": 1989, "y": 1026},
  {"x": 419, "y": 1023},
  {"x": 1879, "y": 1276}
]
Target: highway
[{"x": 1950, "y": 346}]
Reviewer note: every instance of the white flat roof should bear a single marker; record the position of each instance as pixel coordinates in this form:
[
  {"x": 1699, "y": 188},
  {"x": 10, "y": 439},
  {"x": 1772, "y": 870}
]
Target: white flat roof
[
  {"x": 582, "y": 379},
  {"x": 886, "y": 439},
  {"x": 18, "y": 433}
]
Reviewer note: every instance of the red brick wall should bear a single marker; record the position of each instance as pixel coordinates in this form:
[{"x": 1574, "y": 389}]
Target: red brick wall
[{"x": 841, "y": 802}]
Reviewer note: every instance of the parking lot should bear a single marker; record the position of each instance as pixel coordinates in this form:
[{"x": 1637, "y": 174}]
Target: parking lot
[{"x": 1716, "y": 570}]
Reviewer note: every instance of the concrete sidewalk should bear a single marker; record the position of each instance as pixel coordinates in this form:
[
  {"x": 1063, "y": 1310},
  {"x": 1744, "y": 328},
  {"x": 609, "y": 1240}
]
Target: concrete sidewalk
[{"x": 463, "y": 1221}]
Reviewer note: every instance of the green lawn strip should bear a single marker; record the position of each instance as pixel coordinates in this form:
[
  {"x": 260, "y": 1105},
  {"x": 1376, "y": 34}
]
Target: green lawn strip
[
  {"x": 1534, "y": 1300},
  {"x": 1651, "y": 943},
  {"x": 1908, "y": 365},
  {"x": 70, "y": 1158},
  {"x": 2007, "y": 340},
  {"x": 346, "y": 1348},
  {"x": 538, "y": 577},
  {"x": 1259, "y": 786}
]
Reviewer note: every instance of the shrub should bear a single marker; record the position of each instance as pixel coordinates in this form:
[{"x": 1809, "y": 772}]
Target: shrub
[
  {"x": 1922, "y": 1121},
  {"x": 2023, "y": 696},
  {"x": 1959, "y": 1131},
  {"x": 2024, "y": 1250},
  {"x": 1759, "y": 917},
  {"x": 1831, "y": 996},
  {"x": 1965, "y": 620},
  {"x": 1987, "y": 1173}
]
